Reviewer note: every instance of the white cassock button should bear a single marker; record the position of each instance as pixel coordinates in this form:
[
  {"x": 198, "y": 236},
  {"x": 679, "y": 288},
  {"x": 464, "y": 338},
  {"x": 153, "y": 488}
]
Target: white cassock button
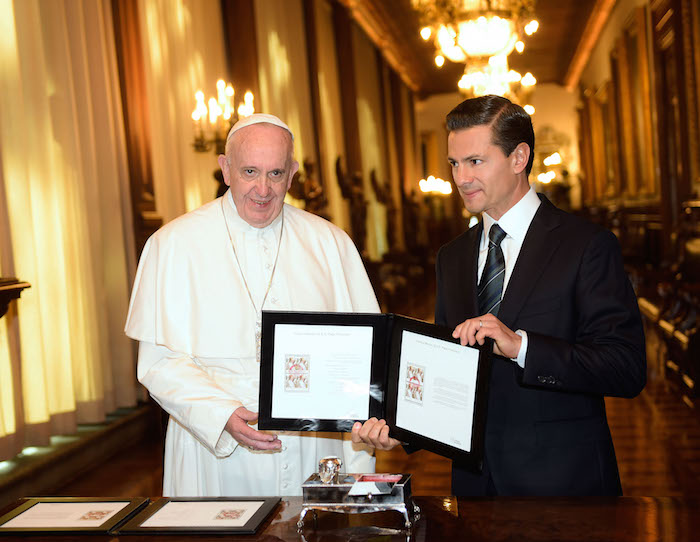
[
  {"x": 285, "y": 466},
  {"x": 284, "y": 448}
]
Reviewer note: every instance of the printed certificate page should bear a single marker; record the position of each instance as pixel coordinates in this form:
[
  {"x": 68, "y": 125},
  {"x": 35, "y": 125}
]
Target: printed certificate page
[
  {"x": 321, "y": 371},
  {"x": 47, "y": 515},
  {"x": 203, "y": 514},
  {"x": 437, "y": 389}
]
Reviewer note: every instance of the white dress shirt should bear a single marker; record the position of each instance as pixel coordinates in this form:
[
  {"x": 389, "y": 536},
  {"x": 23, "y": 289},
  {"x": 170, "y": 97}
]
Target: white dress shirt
[{"x": 515, "y": 223}]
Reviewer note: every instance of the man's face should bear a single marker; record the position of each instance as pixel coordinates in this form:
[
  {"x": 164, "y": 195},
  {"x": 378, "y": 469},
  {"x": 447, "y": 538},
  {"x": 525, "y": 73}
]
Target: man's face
[
  {"x": 487, "y": 179},
  {"x": 259, "y": 169}
]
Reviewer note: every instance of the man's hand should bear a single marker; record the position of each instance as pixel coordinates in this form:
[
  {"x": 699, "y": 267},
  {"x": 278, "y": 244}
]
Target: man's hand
[
  {"x": 475, "y": 330},
  {"x": 237, "y": 426},
  {"x": 375, "y": 433}
]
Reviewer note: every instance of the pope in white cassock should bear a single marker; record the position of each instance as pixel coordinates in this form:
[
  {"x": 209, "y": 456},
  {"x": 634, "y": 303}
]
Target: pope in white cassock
[{"x": 201, "y": 285}]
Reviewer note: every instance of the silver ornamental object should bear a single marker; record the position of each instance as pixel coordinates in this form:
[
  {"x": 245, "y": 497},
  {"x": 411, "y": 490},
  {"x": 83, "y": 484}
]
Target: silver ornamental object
[{"x": 332, "y": 491}]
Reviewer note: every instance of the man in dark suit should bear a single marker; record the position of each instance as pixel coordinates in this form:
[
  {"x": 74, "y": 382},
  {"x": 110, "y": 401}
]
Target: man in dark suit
[{"x": 549, "y": 288}]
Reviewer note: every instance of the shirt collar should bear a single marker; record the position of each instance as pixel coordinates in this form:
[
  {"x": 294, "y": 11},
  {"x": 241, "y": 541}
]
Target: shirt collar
[{"x": 516, "y": 221}]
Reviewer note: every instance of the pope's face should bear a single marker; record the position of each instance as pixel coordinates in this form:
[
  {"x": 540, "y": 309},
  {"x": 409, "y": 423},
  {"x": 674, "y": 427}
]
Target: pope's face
[
  {"x": 259, "y": 169},
  {"x": 487, "y": 179}
]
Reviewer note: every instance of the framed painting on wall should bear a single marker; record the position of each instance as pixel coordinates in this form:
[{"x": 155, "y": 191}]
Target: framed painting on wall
[{"x": 631, "y": 75}]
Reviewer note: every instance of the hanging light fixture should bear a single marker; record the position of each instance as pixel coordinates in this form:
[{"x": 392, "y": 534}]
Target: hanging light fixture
[
  {"x": 492, "y": 76},
  {"x": 480, "y": 33}
]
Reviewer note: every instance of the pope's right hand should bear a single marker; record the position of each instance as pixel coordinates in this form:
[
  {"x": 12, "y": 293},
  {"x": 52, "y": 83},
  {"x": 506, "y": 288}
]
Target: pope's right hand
[{"x": 237, "y": 426}]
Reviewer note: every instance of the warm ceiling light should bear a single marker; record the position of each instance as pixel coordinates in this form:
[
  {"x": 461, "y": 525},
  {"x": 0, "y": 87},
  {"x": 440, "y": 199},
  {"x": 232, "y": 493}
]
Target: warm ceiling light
[
  {"x": 447, "y": 47},
  {"x": 473, "y": 30},
  {"x": 531, "y": 27},
  {"x": 514, "y": 77},
  {"x": 552, "y": 159},
  {"x": 528, "y": 80},
  {"x": 439, "y": 61},
  {"x": 478, "y": 27},
  {"x": 493, "y": 77},
  {"x": 435, "y": 185},
  {"x": 546, "y": 178},
  {"x": 529, "y": 109},
  {"x": 487, "y": 36}
]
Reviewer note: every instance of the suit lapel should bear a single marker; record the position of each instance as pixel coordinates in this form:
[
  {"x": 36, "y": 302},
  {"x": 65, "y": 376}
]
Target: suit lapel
[{"x": 535, "y": 254}]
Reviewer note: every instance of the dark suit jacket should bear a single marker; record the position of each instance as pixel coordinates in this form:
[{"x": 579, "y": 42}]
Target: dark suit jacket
[{"x": 546, "y": 429}]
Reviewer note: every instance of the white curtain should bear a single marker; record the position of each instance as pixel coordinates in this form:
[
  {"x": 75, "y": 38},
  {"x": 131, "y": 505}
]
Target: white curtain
[
  {"x": 330, "y": 105},
  {"x": 283, "y": 70},
  {"x": 66, "y": 225},
  {"x": 372, "y": 138},
  {"x": 183, "y": 52}
]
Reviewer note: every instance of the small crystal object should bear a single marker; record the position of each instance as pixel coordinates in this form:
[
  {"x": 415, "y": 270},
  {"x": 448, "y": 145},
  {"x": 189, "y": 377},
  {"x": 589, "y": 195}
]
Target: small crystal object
[{"x": 328, "y": 467}]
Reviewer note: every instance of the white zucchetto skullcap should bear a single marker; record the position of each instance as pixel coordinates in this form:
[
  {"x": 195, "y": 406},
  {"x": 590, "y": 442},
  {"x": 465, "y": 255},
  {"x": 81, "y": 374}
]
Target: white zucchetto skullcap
[{"x": 257, "y": 118}]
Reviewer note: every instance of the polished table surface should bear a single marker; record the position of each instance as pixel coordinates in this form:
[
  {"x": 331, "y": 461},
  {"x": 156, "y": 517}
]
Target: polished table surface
[{"x": 589, "y": 519}]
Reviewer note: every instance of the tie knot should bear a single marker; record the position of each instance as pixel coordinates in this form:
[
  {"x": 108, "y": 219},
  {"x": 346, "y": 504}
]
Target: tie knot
[{"x": 496, "y": 235}]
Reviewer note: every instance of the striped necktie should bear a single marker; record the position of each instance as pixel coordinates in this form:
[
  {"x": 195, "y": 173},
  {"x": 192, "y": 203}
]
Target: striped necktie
[{"x": 491, "y": 285}]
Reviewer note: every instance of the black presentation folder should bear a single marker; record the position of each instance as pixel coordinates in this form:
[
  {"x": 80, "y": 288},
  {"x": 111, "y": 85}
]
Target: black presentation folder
[
  {"x": 431, "y": 391},
  {"x": 41, "y": 516}
]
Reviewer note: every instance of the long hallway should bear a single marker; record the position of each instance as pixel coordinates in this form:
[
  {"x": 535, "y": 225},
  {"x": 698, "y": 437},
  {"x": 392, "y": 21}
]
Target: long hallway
[{"x": 100, "y": 147}]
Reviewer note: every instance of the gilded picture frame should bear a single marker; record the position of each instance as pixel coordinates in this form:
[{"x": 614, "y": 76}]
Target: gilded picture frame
[
  {"x": 630, "y": 64},
  {"x": 690, "y": 20}
]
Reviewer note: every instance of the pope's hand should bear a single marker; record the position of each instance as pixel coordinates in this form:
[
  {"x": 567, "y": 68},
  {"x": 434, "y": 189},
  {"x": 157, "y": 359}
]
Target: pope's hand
[
  {"x": 375, "y": 433},
  {"x": 475, "y": 330},
  {"x": 237, "y": 426}
]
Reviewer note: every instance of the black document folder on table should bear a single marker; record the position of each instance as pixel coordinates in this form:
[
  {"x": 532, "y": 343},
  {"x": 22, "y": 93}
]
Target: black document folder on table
[
  {"x": 191, "y": 516},
  {"x": 38, "y": 517},
  {"x": 325, "y": 371}
]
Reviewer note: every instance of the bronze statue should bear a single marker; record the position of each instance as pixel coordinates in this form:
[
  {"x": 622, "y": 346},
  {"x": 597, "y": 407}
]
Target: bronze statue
[
  {"x": 352, "y": 190},
  {"x": 383, "y": 194},
  {"x": 306, "y": 187}
]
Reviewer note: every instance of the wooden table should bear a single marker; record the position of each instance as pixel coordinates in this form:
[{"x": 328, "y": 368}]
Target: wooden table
[{"x": 638, "y": 519}]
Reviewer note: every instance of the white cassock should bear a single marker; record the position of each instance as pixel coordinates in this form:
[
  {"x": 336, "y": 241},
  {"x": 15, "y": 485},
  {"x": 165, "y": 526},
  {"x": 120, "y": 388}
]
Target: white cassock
[{"x": 191, "y": 312}]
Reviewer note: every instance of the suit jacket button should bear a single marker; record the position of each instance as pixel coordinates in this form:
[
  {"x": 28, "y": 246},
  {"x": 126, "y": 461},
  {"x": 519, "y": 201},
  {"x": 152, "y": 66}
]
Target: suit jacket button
[
  {"x": 551, "y": 380},
  {"x": 542, "y": 379}
]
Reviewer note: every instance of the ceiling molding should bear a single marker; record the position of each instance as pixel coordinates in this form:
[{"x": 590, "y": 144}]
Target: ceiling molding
[
  {"x": 376, "y": 19},
  {"x": 594, "y": 26}
]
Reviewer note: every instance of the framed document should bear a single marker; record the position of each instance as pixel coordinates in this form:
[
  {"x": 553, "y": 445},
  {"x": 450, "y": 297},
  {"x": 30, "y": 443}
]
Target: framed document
[
  {"x": 220, "y": 515},
  {"x": 325, "y": 371},
  {"x": 69, "y": 515}
]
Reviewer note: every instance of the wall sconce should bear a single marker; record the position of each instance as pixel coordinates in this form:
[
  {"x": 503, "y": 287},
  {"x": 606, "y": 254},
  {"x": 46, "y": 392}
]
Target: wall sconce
[
  {"x": 212, "y": 122},
  {"x": 435, "y": 185}
]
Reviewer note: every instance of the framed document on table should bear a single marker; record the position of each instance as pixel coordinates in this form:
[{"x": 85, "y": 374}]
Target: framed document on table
[
  {"x": 202, "y": 515},
  {"x": 65, "y": 515},
  {"x": 325, "y": 371}
]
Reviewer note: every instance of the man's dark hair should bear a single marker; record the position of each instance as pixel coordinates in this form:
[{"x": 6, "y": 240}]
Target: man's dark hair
[{"x": 510, "y": 124}]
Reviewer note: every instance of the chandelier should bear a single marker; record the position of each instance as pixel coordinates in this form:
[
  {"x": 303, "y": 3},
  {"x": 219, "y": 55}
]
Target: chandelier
[
  {"x": 491, "y": 75},
  {"x": 476, "y": 31}
]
